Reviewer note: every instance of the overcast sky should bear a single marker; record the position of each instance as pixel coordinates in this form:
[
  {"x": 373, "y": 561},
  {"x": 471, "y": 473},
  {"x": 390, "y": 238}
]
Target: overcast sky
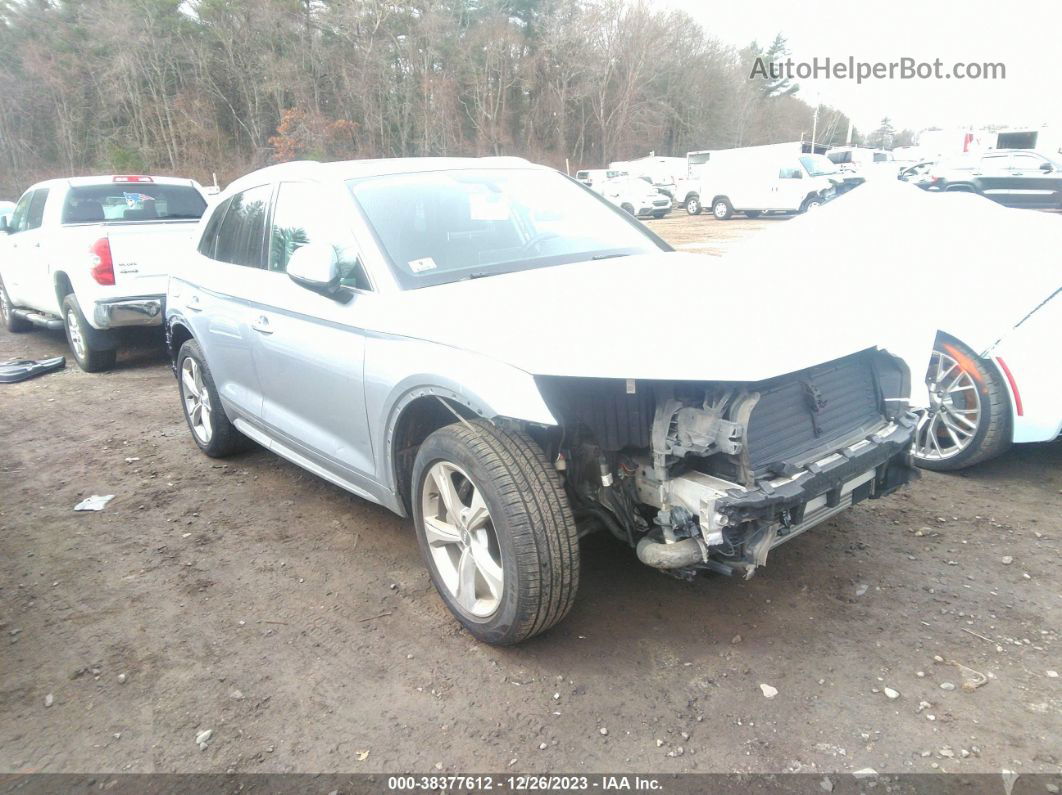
[{"x": 1026, "y": 37}]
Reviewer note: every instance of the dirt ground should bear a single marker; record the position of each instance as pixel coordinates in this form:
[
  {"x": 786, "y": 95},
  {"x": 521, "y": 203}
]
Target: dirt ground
[{"x": 298, "y": 624}]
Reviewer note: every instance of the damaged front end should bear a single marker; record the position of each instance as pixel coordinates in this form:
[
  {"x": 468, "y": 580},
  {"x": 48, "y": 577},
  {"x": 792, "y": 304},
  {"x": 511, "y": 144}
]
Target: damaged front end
[{"x": 713, "y": 475}]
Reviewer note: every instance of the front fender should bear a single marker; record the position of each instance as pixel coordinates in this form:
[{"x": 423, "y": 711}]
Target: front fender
[{"x": 398, "y": 370}]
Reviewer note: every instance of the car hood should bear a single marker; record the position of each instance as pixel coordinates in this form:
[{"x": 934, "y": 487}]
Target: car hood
[{"x": 667, "y": 315}]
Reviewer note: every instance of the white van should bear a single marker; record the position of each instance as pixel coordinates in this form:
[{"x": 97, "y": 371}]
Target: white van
[{"x": 778, "y": 178}]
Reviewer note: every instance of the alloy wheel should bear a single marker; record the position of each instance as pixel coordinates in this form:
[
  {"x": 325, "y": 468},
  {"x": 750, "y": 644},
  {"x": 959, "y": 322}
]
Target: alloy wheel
[
  {"x": 196, "y": 400},
  {"x": 949, "y": 426},
  {"x": 462, "y": 540},
  {"x": 73, "y": 330}
]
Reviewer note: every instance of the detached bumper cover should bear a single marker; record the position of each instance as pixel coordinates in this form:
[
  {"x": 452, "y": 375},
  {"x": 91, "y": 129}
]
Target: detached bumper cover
[{"x": 145, "y": 310}]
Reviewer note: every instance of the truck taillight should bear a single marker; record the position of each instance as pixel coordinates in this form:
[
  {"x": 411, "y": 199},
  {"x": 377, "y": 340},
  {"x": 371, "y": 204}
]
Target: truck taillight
[
  {"x": 132, "y": 178},
  {"x": 102, "y": 266}
]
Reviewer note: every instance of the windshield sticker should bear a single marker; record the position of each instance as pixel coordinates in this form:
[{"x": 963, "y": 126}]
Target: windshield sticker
[
  {"x": 134, "y": 200},
  {"x": 487, "y": 207},
  {"x": 421, "y": 265}
]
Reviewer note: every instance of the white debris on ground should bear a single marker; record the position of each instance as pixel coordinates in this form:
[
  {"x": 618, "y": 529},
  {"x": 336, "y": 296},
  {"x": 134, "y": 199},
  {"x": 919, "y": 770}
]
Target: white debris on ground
[{"x": 94, "y": 503}]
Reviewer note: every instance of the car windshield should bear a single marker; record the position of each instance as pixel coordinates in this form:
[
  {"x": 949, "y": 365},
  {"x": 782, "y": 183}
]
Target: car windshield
[
  {"x": 443, "y": 226},
  {"x": 818, "y": 165}
]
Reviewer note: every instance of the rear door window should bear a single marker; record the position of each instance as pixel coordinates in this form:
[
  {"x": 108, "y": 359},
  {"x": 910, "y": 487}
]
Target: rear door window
[{"x": 241, "y": 237}]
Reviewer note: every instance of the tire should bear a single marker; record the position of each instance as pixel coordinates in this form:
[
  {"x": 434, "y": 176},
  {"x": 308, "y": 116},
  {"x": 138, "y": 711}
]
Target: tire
[
  {"x": 627, "y": 208},
  {"x": 693, "y": 205},
  {"x": 215, "y": 435},
  {"x": 810, "y": 203},
  {"x": 12, "y": 323},
  {"x": 659, "y": 214},
  {"x": 528, "y": 534},
  {"x": 992, "y": 431},
  {"x": 752, "y": 213},
  {"x": 84, "y": 340},
  {"x": 722, "y": 209}
]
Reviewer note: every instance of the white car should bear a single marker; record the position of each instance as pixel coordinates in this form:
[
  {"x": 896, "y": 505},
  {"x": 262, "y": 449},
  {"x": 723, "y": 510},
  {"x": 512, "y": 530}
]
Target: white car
[
  {"x": 981, "y": 279},
  {"x": 636, "y": 196},
  {"x": 92, "y": 255},
  {"x": 485, "y": 346}
]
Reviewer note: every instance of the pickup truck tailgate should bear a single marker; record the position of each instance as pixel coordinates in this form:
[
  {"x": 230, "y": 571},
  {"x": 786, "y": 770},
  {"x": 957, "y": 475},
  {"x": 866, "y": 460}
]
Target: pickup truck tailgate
[{"x": 144, "y": 255}]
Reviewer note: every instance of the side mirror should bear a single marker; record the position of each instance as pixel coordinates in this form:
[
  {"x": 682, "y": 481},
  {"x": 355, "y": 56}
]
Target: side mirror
[
  {"x": 1046, "y": 167},
  {"x": 5, "y": 229},
  {"x": 315, "y": 267}
]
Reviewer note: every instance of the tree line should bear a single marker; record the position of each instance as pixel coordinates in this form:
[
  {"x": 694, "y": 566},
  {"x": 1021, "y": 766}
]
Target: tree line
[{"x": 195, "y": 87}]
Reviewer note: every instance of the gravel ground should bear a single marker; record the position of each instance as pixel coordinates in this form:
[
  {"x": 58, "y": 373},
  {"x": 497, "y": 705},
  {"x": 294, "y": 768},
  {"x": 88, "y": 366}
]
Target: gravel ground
[{"x": 297, "y": 625}]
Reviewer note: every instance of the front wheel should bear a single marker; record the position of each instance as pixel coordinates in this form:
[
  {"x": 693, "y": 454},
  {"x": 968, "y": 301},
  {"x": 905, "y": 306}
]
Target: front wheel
[
  {"x": 693, "y": 205},
  {"x": 752, "y": 213},
  {"x": 968, "y": 419},
  {"x": 495, "y": 530},
  {"x": 83, "y": 340},
  {"x": 810, "y": 204}
]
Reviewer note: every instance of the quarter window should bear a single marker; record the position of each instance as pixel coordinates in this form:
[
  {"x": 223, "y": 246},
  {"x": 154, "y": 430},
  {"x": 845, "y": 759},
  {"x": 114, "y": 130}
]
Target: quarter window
[
  {"x": 209, "y": 242},
  {"x": 242, "y": 232}
]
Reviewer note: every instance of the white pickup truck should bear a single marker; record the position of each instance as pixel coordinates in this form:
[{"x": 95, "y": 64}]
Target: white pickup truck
[{"x": 93, "y": 254}]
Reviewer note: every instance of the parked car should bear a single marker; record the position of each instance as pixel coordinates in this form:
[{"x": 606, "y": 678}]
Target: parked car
[
  {"x": 917, "y": 173},
  {"x": 92, "y": 255},
  {"x": 460, "y": 341},
  {"x": 993, "y": 378},
  {"x": 764, "y": 179},
  {"x": 638, "y": 197},
  {"x": 1014, "y": 177},
  {"x": 593, "y": 178}
]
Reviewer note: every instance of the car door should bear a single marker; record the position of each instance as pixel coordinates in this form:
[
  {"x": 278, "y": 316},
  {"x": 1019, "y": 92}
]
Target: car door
[
  {"x": 26, "y": 267},
  {"x": 993, "y": 177},
  {"x": 789, "y": 188},
  {"x": 218, "y": 292},
  {"x": 1036, "y": 182},
  {"x": 308, "y": 349}
]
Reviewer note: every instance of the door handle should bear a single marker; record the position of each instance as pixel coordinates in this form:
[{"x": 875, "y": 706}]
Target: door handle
[
  {"x": 193, "y": 303},
  {"x": 261, "y": 325}
]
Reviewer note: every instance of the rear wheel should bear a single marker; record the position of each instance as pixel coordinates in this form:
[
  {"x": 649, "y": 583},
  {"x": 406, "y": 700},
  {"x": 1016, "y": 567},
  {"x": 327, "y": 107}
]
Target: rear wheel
[
  {"x": 84, "y": 340},
  {"x": 810, "y": 203},
  {"x": 211, "y": 429},
  {"x": 11, "y": 322},
  {"x": 627, "y": 208},
  {"x": 495, "y": 530},
  {"x": 722, "y": 209},
  {"x": 968, "y": 420}
]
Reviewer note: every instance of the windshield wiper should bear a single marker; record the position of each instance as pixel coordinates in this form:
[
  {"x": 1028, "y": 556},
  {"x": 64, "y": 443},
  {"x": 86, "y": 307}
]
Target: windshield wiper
[
  {"x": 482, "y": 275},
  {"x": 608, "y": 256}
]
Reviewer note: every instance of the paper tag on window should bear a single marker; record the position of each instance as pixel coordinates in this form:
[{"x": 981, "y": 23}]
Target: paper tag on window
[
  {"x": 487, "y": 207},
  {"x": 421, "y": 265}
]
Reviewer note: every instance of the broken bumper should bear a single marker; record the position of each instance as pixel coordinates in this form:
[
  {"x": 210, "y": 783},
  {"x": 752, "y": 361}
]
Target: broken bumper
[
  {"x": 759, "y": 520},
  {"x": 144, "y": 310},
  {"x": 739, "y": 526}
]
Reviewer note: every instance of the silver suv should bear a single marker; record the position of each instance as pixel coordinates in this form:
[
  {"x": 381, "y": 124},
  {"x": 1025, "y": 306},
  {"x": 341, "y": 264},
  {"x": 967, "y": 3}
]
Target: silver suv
[{"x": 480, "y": 344}]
